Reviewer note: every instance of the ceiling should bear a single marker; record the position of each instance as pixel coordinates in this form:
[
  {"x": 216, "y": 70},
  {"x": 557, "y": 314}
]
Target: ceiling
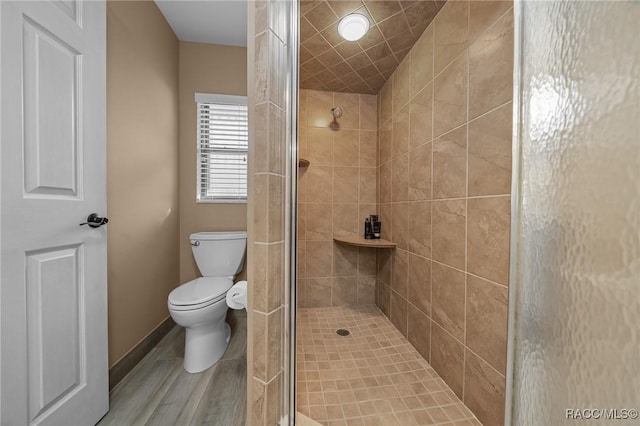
[
  {"x": 328, "y": 62},
  {"x": 217, "y": 21}
]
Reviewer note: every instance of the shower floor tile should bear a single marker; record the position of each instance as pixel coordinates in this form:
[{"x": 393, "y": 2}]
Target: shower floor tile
[{"x": 373, "y": 376}]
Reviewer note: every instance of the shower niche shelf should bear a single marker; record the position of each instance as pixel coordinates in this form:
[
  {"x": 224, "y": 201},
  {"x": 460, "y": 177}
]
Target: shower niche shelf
[
  {"x": 303, "y": 163},
  {"x": 361, "y": 242}
]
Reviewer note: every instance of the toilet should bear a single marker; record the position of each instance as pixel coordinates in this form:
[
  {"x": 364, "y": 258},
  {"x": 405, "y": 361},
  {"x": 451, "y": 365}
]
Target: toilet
[{"x": 200, "y": 306}]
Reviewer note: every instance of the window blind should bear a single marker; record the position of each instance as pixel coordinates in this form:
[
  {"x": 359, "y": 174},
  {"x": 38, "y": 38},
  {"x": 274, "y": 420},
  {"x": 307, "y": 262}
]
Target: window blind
[{"x": 222, "y": 148}]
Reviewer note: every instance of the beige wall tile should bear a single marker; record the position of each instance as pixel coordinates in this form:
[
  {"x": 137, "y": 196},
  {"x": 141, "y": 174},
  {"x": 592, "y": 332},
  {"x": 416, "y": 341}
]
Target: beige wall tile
[
  {"x": 469, "y": 79},
  {"x": 400, "y": 223},
  {"x": 276, "y": 135},
  {"x": 258, "y": 402},
  {"x": 260, "y": 206},
  {"x": 302, "y": 250},
  {"x": 400, "y": 178},
  {"x": 320, "y": 146},
  {"x": 317, "y": 190},
  {"x": 421, "y": 117},
  {"x": 448, "y": 292},
  {"x": 490, "y": 153},
  {"x": 318, "y": 292},
  {"x": 486, "y": 323},
  {"x": 483, "y": 14},
  {"x": 339, "y": 189},
  {"x": 385, "y": 181},
  {"x": 276, "y": 209},
  {"x": 366, "y": 290},
  {"x": 419, "y": 331},
  {"x": 319, "y": 258},
  {"x": 401, "y": 85},
  {"x": 261, "y": 145},
  {"x": 386, "y": 219},
  {"x": 451, "y": 33},
  {"x": 420, "y": 173},
  {"x": 484, "y": 391},
  {"x": 368, "y": 112},
  {"x": 274, "y": 343},
  {"x": 419, "y": 284},
  {"x": 319, "y": 221},
  {"x": 488, "y": 238},
  {"x": 419, "y": 234},
  {"x": 273, "y": 397},
  {"x": 421, "y": 62},
  {"x": 447, "y": 358},
  {"x": 345, "y": 220},
  {"x": 448, "y": 232},
  {"x": 260, "y": 340},
  {"x": 491, "y": 68},
  {"x": 384, "y": 299},
  {"x": 350, "y": 104},
  {"x": 275, "y": 276},
  {"x": 400, "y": 136},
  {"x": 259, "y": 263},
  {"x": 345, "y": 260},
  {"x": 366, "y": 261},
  {"x": 344, "y": 291},
  {"x": 400, "y": 272},
  {"x": 450, "y": 164},
  {"x": 385, "y": 99},
  {"x": 398, "y": 310},
  {"x": 346, "y": 147},
  {"x": 385, "y": 145},
  {"x": 450, "y": 96},
  {"x": 385, "y": 264},
  {"x": 319, "y": 106},
  {"x": 302, "y": 221},
  {"x": 368, "y": 148},
  {"x": 345, "y": 184},
  {"x": 367, "y": 185}
]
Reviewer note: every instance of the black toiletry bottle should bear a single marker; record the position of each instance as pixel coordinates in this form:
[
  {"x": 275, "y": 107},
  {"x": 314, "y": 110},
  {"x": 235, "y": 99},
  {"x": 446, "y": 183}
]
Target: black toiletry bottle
[
  {"x": 368, "y": 229},
  {"x": 376, "y": 227}
]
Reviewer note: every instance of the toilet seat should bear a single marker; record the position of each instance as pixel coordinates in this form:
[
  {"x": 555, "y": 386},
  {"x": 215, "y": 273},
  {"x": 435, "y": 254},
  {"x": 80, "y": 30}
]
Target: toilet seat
[{"x": 199, "y": 293}]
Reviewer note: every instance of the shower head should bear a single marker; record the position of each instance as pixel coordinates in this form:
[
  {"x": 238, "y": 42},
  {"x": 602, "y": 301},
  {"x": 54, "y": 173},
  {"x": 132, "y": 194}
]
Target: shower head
[{"x": 336, "y": 112}]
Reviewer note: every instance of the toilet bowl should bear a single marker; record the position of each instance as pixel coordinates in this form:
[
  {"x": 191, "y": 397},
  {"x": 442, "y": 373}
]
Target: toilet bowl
[{"x": 200, "y": 306}]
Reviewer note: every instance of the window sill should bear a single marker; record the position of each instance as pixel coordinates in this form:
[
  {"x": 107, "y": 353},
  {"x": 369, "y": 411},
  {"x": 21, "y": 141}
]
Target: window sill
[{"x": 221, "y": 201}]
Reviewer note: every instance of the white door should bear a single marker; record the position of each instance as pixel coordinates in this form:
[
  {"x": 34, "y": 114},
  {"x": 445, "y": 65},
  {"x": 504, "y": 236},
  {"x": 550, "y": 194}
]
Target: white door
[{"x": 53, "y": 290}]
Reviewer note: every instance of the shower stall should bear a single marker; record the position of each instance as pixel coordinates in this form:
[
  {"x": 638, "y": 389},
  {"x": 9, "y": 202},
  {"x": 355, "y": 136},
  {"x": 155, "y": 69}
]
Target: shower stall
[{"x": 499, "y": 148}]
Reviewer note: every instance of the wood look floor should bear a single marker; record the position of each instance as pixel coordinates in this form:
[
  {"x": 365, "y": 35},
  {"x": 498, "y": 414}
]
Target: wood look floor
[{"x": 158, "y": 391}]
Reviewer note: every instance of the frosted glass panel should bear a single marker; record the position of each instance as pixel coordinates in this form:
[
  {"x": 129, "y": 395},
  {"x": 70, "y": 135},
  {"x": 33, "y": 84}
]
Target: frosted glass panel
[{"x": 576, "y": 268}]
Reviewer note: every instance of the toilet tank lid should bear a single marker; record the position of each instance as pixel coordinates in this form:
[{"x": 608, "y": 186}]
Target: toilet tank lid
[{"x": 228, "y": 235}]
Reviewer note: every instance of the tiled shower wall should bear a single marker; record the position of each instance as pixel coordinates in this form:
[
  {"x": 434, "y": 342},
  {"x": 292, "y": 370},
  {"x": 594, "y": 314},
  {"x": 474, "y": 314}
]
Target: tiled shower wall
[
  {"x": 268, "y": 70},
  {"x": 444, "y": 172},
  {"x": 336, "y": 192}
]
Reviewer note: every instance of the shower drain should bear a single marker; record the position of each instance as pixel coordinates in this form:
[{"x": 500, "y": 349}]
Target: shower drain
[{"x": 342, "y": 332}]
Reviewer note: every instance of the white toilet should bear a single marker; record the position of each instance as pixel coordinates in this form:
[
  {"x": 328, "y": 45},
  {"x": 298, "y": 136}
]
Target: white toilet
[{"x": 200, "y": 306}]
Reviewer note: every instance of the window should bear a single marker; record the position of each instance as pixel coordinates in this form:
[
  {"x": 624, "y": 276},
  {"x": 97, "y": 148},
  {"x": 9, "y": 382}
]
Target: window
[{"x": 222, "y": 148}]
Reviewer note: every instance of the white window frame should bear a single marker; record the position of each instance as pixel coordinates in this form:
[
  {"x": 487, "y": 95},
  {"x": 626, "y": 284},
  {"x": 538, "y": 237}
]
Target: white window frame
[{"x": 216, "y": 99}]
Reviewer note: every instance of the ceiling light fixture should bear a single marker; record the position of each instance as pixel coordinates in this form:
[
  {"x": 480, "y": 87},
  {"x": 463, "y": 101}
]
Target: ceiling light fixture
[{"x": 353, "y": 27}]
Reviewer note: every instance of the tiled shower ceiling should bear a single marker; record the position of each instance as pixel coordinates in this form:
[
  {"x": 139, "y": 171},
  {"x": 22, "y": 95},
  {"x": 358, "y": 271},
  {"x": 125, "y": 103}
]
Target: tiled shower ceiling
[{"x": 328, "y": 62}]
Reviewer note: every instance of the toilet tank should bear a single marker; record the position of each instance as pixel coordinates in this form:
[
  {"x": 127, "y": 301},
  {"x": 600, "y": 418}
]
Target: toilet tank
[{"x": 219, "y": 254}]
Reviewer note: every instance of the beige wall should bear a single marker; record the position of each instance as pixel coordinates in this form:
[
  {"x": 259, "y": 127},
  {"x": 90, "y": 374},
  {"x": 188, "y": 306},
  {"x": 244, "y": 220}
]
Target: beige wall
[
  {"x": 336, "y": 192},
  {"x": 142, "y": 171},
  {"x": 205, "y": 68},
  {"x": 444, "y": 185}
]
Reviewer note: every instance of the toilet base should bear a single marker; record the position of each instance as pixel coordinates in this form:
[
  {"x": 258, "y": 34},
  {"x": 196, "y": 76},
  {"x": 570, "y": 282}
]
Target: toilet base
[{"x": 204, "y": 346}]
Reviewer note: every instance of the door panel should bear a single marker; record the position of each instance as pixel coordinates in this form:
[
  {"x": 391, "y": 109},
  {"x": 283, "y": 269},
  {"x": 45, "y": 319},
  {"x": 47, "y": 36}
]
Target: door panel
[
  {"x": 51, "y": 88},
  {"x": 53, "y": 316},
  {"x": 55, "y": 286}
]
